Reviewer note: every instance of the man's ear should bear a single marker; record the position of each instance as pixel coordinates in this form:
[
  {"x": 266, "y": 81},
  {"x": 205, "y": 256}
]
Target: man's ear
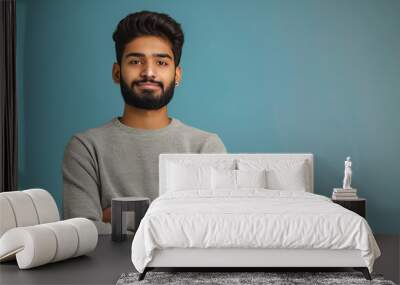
[
  {"x": 178, "y": 75},
  {"x": 116, "y": 73}
]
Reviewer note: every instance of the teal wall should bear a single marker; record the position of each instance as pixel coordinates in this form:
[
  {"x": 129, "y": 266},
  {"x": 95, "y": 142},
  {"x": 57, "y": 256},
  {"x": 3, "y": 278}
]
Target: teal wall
[{"x": 267, "y": 76}]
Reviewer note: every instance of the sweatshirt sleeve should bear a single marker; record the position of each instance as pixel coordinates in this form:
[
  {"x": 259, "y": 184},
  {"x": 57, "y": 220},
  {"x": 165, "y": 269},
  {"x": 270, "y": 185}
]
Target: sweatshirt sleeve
[
  {"x": 213, "y": 144},
  {"x": 81, "y": 195}
]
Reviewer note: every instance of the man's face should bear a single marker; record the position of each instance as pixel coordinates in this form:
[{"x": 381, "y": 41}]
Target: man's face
[{"x": 147, "y": 74}]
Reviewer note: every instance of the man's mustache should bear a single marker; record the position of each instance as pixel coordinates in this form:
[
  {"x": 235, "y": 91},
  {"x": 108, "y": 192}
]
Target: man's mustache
[{"x": 147, "y": 81}]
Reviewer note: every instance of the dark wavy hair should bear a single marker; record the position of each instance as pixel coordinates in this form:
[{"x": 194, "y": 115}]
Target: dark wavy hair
[{"x": 148, "y": 23}]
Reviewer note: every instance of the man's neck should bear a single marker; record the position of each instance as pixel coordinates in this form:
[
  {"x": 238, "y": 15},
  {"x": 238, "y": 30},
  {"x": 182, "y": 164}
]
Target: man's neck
[{"x": 145, "y": 119}]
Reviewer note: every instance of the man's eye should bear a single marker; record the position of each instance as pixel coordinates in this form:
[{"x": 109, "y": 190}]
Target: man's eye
[
  {"x": 134, "y": 61},
  {"x": 162, "y": 63}
]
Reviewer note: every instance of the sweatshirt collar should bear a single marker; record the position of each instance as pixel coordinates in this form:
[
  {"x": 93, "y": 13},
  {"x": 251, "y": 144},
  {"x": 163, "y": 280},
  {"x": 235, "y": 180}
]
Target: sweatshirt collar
[{"x": 117, "y": 122}]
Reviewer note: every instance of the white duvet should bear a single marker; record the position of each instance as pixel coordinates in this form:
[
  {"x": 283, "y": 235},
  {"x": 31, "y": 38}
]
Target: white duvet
[{"x": 250, "y": 218}]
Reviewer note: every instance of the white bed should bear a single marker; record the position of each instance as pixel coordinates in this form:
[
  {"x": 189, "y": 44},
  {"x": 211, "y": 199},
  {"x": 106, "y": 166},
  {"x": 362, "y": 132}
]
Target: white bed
[{"x": 193, "y": 224}]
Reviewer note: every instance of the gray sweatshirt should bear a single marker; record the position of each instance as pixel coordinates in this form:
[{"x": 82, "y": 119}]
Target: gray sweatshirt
[{"x": 115, "y": 160}]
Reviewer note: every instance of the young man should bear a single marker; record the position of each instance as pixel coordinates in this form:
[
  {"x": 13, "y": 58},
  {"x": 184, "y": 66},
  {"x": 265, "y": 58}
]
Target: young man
[{"x": 120, "y": 158}]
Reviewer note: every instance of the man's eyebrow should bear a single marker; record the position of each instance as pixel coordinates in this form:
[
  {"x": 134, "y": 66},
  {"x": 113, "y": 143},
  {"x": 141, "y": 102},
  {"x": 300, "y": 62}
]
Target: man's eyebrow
[{"x": 139, "y": 54}]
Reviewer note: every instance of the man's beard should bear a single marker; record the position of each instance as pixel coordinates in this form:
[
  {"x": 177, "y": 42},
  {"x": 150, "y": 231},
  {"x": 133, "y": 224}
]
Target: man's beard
[{"x": 147, "y": 99}]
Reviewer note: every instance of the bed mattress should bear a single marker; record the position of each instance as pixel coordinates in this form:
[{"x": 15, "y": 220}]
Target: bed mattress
[{"x": 250, "y": 219}]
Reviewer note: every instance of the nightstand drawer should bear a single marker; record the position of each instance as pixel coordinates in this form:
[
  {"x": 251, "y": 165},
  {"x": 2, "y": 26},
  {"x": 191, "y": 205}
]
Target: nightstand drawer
[{"x": 357, "y": 206}]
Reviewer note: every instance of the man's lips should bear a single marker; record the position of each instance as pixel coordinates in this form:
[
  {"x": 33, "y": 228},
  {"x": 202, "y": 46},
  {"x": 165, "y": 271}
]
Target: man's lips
[{"x": 149, "y": 85}]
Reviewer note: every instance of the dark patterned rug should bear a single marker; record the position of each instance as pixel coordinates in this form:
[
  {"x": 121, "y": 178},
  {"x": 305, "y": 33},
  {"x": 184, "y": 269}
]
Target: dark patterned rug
[{"x": 230, "y": 278}]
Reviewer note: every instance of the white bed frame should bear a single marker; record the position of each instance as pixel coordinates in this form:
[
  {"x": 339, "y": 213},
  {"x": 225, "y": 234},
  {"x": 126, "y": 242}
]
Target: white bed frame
[{"x": 242, "y": 258}]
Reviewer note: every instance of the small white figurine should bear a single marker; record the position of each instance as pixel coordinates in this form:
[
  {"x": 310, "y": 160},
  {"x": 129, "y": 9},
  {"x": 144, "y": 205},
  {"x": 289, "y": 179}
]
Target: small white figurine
[{"x": 347, "y": 174}]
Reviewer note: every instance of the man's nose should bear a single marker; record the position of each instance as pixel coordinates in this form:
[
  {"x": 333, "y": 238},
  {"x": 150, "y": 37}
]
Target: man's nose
[{"x": 148, "y": 71}]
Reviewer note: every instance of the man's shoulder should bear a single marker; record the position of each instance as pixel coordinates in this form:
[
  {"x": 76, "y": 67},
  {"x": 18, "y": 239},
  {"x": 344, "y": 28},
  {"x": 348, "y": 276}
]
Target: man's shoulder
[
  {"x": 200, "y": 140},
  {"x": 90, "y": 136},
  {"x": 192, "y": 131},
  {"x": 107, "y": 134},
  {"x": 96, "y": 131}
]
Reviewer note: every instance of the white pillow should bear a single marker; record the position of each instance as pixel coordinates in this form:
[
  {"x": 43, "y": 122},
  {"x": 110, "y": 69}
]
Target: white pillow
[
  {"x": 292, "y": 179},
  {"x": 187, "y": 174},
  {"x": 223, "y": 179},
  {"x": 251, "y": 178},
  {"x": 236, "y": 179},
  {"x": 188, "y": 177},
  {"x": 284, "y": 174}
]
